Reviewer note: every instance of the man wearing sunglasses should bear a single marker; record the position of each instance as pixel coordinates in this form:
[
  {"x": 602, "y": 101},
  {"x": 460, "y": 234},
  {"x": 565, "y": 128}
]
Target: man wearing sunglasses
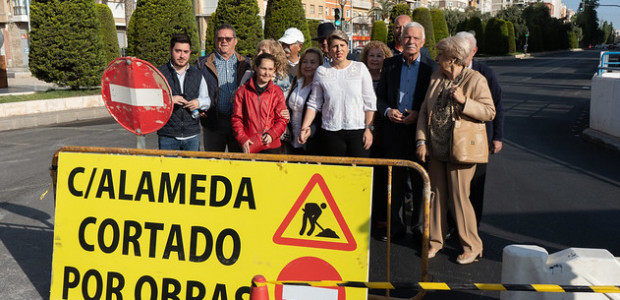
[{"x": 222, "y": 71}]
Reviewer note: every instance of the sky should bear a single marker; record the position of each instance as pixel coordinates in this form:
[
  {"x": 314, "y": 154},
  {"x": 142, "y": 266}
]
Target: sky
[{"x": 604, "y": 13}]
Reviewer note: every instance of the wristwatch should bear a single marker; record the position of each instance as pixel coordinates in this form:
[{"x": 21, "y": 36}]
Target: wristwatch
[{"x": 371, "y": 127}]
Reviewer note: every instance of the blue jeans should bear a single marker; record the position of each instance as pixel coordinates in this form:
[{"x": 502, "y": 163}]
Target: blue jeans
[{"x": 170, "y": 143}]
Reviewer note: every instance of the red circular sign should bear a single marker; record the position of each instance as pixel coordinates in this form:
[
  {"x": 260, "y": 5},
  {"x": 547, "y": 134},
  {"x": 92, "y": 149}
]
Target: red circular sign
[
  {"x": 137, "y": 95},
  {"x": 309, "y": 269}
]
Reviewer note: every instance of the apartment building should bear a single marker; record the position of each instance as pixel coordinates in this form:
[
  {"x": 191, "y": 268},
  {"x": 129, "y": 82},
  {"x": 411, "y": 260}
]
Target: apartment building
[{"x": 15, "y": 25}]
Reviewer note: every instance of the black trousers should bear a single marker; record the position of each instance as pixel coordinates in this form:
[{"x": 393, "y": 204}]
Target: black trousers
[
  {"x": 348, "y": 143},
  {"x": 220, "y": 138}
]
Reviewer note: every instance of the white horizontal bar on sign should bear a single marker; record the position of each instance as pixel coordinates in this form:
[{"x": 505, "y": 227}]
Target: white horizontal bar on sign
[
  {"x": 296, "y": 292},
  {"x": 136, "y": 97}
]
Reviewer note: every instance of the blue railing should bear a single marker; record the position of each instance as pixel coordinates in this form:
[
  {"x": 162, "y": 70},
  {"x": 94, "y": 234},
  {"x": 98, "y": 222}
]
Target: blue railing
[{"x": 606, "y": 65}]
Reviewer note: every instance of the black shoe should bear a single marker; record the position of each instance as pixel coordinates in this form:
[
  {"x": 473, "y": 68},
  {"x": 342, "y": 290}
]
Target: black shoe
[{"x": 381, "y": 234}]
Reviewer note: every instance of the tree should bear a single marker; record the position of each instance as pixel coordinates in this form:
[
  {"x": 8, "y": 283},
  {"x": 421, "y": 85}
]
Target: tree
[
  {"x": 514, "y": 14},
  {"x": 496, "y": 33},
  {"x": 313, "y": 27},
  {"x": 588, "y": 21},
  {"x": 397, "y": 10},
  {"x": 65, "y": 47},
  {"x": 283, "y": 14},
  {"x": 475, "y": 24},
  {"x": 382, "y": 9},
  {"x": 512, "y": 47},
  {"x": 379, "y": 31},
  {"x": 243, "y": 16},
  {"x": 107, "y": 33},
  {"x": 440, "y": 27},
  {"x": 423, "y": 16},
  {"x": 152, "y": 25},
  {"x": 456, "y": 20}
]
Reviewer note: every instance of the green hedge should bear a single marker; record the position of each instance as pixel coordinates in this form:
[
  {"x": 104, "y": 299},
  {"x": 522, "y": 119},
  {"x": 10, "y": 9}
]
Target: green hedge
[
  {"x": 440, "y": 26},
  {"x": 107, "y": 32},
  {"x": 423, "y": 16},
  {"x": 475, "y": 24},
  {"x": 283, "y": 14},
  {"x": 65, "y": 47},
  {"x": 152, "y": 25},
  {"x": 243, "y": 16},
  {"x": 512, "y": 46},
  {"x": 379, "y": 31}
]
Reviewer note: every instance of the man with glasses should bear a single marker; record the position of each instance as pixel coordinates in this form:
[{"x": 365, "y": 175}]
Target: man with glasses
[{"x": 222, "y": 71}]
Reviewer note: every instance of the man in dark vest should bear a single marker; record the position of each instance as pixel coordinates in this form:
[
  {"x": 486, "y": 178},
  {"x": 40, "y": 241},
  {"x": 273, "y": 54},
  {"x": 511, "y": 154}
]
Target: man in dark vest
[{"x": 189, "y": 95}]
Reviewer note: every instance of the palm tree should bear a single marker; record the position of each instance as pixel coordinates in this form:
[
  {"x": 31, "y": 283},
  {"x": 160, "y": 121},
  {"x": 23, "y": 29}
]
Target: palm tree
[{"x": 381, "y": 8}]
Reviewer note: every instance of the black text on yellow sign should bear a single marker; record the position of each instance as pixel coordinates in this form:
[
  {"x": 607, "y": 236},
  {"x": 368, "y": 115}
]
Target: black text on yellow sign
[{"x": 130, "y": 227}]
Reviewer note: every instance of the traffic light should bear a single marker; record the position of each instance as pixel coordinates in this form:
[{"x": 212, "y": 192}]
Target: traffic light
[
  {"x": 580, "y": 6},
  {"x": 337, "y": 21}
]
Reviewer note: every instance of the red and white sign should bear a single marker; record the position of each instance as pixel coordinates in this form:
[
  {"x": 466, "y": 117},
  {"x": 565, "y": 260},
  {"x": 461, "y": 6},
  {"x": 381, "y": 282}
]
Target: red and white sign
[
  {"x": 137, "y": 95},
  {"x": 309, "y": 269},
  {"x": 343, "y": 241}
]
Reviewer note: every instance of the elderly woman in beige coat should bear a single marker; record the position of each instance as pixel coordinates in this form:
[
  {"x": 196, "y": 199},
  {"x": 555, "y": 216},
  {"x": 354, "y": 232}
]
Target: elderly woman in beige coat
[{"x": 454, "y": 91}]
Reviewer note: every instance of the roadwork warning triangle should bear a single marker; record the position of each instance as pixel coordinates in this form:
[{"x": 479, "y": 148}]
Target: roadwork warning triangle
[{"x": 309, "y": 220}]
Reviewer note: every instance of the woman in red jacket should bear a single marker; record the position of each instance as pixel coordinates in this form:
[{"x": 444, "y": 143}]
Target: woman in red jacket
[{"x": 257, "y": 120}]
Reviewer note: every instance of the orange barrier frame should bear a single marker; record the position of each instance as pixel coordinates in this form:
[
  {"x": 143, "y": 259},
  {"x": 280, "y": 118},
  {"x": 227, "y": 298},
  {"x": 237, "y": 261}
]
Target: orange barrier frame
[{"x": 353, "y": 161}]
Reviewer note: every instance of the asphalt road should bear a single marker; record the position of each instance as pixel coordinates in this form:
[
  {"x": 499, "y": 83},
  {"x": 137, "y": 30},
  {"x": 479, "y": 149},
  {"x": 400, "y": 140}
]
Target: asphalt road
[{"x": 547, "y": 187}]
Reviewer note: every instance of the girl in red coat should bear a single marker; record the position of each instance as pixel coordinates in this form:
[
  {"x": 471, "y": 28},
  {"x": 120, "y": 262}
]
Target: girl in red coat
[{"x": 257, "y": 120}]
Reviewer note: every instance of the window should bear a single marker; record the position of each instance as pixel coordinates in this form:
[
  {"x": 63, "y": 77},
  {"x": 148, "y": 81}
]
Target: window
[
  {"x": 348, "y": 13},
  {"x": 19, "y": 8},
  {"x": 450, "y": 4},
  {"x": 326, "y": 11},
  {"x": 320, "y": 10},
  {"x": 312, "y": 9}
]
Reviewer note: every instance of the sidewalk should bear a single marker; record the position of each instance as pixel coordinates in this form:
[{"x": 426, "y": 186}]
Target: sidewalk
[{"x": 28, "y": 114}]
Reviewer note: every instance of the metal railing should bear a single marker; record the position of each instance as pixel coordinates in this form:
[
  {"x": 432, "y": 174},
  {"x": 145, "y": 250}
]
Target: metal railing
[
  {"x": 606, "y": 65},
  {"x": 353, "y": 161}
]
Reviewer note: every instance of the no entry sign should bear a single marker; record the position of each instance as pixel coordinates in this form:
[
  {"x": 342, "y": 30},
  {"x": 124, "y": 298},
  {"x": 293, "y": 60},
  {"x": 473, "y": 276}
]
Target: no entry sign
[{"x": 137, "y": 95}]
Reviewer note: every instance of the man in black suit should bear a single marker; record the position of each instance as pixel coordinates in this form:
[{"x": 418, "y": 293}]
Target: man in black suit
[
  {"x": 495, "y": 128},
  {"x": 400, "y": 93}
]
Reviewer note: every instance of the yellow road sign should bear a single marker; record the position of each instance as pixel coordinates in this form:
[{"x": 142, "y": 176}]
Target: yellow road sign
[{"x": 166, "y": 227}]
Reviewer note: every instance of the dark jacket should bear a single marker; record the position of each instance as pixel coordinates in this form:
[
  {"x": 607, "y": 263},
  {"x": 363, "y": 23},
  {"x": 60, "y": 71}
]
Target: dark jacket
[
  {"x": 209, "y": 72},
  {"x": 495, "y": 128},
  {"x": 181, "y": 123},
  {"x": 398, "y": 140}
]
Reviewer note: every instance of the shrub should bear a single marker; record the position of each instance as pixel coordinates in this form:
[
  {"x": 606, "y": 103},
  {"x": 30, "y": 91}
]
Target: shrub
[
  {"x": 512, "y": 46},
  {"x": 313, "y": 26},
  {"x": 496, "y": 35},
  {"x": 423, "y": 16},
  {"x": 107, "y": 32},
  {"x": 152, "y": 25},
  {"x": 283, "y": 14},
  {"x": 243, "y": 16},
  {"x": 440, "y": 26},
  {"x": 475, "y": 24},
  {"x": 65, "y": 47},
  {"x": 397, "y": 10},
  {"x": 379, "y": 31}
]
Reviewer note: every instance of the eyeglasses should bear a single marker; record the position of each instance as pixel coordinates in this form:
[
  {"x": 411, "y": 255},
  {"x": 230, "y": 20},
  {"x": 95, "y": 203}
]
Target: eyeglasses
[{"x": 228, "y": 39}]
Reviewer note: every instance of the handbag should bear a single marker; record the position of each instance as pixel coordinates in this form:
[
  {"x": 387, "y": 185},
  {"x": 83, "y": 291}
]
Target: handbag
[{"x": 469, "y": 142}]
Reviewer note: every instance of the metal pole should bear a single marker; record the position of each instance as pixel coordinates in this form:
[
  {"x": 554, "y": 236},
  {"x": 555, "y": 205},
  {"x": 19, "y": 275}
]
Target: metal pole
[{"x": 140, "y": 140}]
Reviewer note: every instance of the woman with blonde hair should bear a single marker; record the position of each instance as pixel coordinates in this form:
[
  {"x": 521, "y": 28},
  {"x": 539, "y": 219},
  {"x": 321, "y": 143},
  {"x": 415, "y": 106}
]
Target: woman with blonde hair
[
  {"x": 282, "y": 77},
  {"x": 372, "y": 56},
  {"x": 460, "y": 96},
  {"x": 297, "y": 102}
]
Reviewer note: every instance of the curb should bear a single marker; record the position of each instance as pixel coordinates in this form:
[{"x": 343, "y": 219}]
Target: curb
[
  {"x": 52, "y": 118},
  {"x": 606, "y": 140}
]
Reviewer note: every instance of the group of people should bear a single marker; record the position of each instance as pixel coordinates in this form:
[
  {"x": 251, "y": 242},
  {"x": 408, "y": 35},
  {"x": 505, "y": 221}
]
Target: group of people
[{"x": 394, "y": 103}]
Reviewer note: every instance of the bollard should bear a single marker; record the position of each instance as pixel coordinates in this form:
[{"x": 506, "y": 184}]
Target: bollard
[{"x": 259, "y": 292}]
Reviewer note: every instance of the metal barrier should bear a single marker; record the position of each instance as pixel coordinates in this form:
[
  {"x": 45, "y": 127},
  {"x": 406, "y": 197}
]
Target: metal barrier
[
  {"x": 353, "y": 161},
  {"x": 604, "y": 62}
]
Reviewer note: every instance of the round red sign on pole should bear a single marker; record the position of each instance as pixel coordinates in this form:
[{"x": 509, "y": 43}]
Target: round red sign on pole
[
  {"x": 309, "y": 269},
  {"x": 137, "y": 95}
]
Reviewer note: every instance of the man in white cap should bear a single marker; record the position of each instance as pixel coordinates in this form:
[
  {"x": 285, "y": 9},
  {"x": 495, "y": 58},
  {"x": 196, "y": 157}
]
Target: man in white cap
[{"x": 292, "y": 41}]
